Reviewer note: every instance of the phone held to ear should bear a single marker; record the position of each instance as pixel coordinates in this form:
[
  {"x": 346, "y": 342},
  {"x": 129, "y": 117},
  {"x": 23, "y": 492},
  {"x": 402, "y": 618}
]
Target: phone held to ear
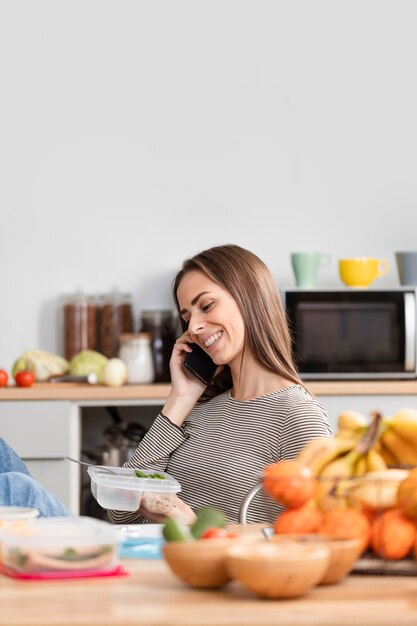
[{"x": 200, "y": 364}]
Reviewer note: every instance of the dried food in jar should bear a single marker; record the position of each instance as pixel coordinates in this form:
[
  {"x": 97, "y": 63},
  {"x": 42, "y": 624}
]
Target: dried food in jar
[
  {"x": 115, "y": 318},
  {"x": 161, "y": 326},
  {"x": 79, "y": 323}
]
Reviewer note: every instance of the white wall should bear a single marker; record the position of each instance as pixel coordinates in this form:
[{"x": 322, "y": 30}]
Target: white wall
[{"x": 134, "y": 134}]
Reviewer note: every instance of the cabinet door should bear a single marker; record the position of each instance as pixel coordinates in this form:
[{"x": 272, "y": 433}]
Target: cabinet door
[
  {"x": 37, "y": 429},
  {"x": 54, "y": 476},
  {"x": 43, "y": 433}
]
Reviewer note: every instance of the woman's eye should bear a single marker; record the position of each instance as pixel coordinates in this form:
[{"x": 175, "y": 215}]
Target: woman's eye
[{"x": 207, "y": 307}]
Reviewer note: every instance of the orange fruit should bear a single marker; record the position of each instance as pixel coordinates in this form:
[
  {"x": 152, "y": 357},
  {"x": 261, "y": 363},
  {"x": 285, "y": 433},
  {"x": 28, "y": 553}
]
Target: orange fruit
[
  {"x": 290, "y": 482},
  {"x": 392, "y": 535},
  {"x": 346, "y": 524},
  {"x": 407, "y": 494},
  {"x": 306, "y": 519}
]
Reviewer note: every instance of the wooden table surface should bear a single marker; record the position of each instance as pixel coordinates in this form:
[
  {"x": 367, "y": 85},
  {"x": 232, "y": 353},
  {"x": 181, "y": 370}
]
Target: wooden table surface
[{"x": 152, "y": 596}]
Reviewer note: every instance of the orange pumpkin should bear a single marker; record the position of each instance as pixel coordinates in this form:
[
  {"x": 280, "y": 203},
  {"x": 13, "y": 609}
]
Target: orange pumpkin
[
  {"x": 291, "y": 483},
  {"x": 392, "y": 535},
  {"x": 347, "y": 524},
  {"x": 306, "y": 519}
]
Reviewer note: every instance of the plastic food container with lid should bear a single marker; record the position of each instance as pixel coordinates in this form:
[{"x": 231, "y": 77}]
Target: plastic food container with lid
[
  {"x": 60, "y": 544},
  {"x": 125, "y": 489}
]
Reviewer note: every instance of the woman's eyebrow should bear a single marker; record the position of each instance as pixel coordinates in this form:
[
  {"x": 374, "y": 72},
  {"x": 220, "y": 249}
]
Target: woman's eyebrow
[{"x": 194, "y": 301}]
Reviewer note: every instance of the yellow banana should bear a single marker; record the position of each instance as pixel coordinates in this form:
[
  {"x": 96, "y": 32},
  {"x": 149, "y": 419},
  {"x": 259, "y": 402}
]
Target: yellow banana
[
  {"x": 318, "y": 453},
  {"x": 388, "y": 457},
  {"x": 332, "y": 478},
  {"x": 403, "y": 451},
  {"x": 352, "y": 420},
  {"x": 360, "y": 467},
  {"x": 404, "y": 423},
  {"x": 376, "y": 490},
  {"x": 374, "y": 462}
]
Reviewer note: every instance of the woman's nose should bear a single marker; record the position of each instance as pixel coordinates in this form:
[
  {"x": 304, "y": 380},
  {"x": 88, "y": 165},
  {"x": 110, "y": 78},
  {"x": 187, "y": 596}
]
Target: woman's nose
[{"x": 195, "y": 325}]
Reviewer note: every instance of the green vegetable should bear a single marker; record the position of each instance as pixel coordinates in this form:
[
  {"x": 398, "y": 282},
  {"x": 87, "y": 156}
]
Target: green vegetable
[
  {"x": 87, "y": 362},
  {"x": 17, "y": 557},
  {"x": 141, "y": 474},
  {"x": 207, "y": 517},
  {"x": 42, "y": 364},
  {"x": 70, "y": 554},
  {"x": 175, "y": 530}
]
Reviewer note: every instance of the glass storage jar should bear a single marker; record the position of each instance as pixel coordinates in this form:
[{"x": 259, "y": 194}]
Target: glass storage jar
[
  {"x": 161, "y": 326},
  {"x": 115, "y": 318},
  {"x": 136, "y": 352},
  {"x": 79, "y": 314}
]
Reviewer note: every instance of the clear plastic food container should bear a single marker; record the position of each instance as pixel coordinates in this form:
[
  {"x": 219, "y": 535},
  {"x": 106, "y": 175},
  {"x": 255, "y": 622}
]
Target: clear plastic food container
[
  {"x": 60, "y": 544},
  {"x": 125, "y": 489}
]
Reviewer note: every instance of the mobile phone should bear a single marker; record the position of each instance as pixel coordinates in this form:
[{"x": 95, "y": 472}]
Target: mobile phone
[{"x": 200, "y": 364}]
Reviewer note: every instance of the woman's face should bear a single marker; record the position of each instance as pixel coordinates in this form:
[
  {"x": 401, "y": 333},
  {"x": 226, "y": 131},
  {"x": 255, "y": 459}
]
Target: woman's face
[{"x": 213, "y": 317}]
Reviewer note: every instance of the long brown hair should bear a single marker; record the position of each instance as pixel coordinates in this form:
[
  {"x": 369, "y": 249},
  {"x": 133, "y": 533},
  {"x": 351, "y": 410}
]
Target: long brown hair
[{"x": 248, "y": 280}]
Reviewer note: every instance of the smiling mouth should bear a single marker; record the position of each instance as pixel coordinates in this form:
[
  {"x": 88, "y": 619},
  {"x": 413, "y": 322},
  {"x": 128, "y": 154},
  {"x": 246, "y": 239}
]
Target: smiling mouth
[{"x": 211, "y": 340}]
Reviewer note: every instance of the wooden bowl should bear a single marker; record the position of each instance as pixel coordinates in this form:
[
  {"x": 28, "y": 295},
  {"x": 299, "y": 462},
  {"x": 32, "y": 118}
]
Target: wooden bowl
[
  {"x": 199, "y": 563},
  {"x": 278, "y": 569},
  {"x": 343, "y": 554}
]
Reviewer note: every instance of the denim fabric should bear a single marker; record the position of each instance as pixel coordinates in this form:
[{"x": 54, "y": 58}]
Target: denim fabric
[{"x": 18, "y": 488}]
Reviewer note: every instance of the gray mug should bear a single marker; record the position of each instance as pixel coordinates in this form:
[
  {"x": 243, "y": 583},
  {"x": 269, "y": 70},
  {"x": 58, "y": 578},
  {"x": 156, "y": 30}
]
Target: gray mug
[
  {"x": 305, "y": 266},
  {"x": 407, "y": 267}
]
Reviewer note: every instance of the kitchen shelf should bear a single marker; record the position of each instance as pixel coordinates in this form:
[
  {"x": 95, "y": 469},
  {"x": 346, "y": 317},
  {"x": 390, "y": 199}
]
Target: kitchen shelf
[{"x": 80, "y": 392}]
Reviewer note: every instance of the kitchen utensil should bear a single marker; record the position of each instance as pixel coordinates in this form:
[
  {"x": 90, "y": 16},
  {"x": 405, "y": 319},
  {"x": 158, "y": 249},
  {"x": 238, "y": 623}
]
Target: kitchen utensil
[
  {"x": 91, "y": 379},
  {"x": 105, "y": 469}
]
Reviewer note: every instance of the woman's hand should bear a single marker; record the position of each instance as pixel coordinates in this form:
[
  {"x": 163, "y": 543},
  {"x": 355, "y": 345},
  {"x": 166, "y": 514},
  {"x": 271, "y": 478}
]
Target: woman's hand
[
  {"x": 183, "y": 382},
  {"x": 180, "y": 510},
  {"x": 186, "y": 388}
]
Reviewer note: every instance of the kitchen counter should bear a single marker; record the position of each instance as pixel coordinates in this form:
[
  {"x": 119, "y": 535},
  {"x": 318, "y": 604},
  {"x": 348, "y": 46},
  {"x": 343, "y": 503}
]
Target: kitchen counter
[
  {"x": 152, "y": 596},
  {"x": 76, "y": 392},
  {"x": 63, "y": 411}
]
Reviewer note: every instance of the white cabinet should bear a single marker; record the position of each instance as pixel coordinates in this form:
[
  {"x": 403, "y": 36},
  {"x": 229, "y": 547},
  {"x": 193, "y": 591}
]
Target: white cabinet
[{"x": 43, "y": 433}]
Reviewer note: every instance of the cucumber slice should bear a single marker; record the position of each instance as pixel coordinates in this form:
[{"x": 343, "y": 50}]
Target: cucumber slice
[
  {"x": 175, "y": 530},
  {"x": 207, "y": 517}
]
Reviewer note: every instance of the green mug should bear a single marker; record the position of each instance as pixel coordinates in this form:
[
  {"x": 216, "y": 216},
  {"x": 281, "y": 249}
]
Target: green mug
[{"x": 305, "y": 266}]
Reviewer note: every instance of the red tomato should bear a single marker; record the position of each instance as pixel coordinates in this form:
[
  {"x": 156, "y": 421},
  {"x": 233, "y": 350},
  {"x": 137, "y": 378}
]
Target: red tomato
[
  {"x": 217, "y": 533},
  {"x": 4, "y": 377},
  {"x": 24, "y": 379}
]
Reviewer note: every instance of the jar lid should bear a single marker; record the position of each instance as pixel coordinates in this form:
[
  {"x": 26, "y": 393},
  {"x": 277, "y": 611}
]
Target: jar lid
[
  {"x": 135, "y": 336},
  {"x": 116, "y": 298},
  {"x": 157, "y": 315},
  {"x": 76, "y": 298}
]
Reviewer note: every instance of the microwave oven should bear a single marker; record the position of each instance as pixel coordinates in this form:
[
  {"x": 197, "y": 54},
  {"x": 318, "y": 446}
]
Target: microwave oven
[{"x": 353, "y": 333}]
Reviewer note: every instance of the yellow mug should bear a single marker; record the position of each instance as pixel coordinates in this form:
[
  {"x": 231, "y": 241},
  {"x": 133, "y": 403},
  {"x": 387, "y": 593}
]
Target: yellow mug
[{"x": 362, "y": 271}]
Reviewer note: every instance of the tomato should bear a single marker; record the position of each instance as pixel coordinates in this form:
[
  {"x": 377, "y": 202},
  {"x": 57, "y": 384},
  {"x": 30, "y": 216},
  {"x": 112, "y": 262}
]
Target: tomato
[
  {"x": 4, "y": 377},
  {"x": 217, "y": 533},
  {"x": 24, "y": 379}
]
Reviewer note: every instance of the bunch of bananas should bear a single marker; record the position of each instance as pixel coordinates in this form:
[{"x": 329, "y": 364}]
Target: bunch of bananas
[
  {"x": 398, "y": 441},
  {"x": 351, "y": 454}
]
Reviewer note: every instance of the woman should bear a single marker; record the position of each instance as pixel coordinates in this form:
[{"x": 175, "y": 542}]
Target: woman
[{"x": 216, "y": 440}]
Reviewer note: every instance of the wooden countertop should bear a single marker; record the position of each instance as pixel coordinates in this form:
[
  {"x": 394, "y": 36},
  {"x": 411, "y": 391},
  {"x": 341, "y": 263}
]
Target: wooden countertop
[
  {"x": 77, "y": 392},
  {"x": 152, "y": 596}
]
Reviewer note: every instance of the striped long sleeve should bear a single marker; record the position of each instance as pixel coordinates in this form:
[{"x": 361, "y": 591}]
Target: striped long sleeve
[{"x": 219, "y": 453}]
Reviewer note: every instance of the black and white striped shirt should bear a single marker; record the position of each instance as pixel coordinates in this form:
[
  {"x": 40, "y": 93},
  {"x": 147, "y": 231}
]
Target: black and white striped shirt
[{"x": 219, "y": 453}]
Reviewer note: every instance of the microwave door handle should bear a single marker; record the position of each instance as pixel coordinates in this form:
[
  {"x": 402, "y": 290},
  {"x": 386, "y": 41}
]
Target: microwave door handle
[{"x": 410, "y": 332}]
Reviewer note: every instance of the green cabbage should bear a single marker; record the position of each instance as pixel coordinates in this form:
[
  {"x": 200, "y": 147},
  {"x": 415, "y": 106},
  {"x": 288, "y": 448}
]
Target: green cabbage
[{"x": 87, "y": 362}]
